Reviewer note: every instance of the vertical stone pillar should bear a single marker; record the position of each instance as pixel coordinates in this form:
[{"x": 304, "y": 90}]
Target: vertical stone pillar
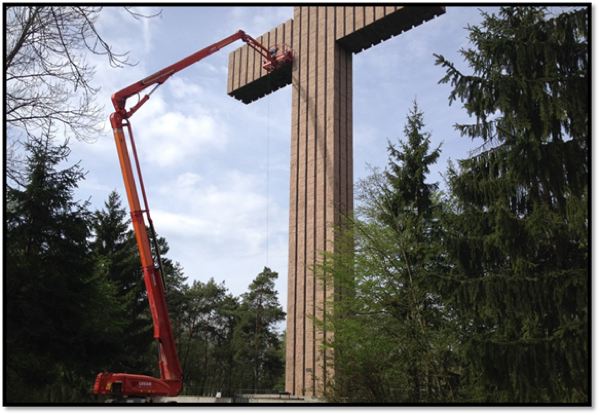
[{"x": 320, "y": 186}]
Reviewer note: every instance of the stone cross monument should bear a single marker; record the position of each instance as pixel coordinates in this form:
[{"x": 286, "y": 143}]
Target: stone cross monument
[{"x": 323, "y": 40}]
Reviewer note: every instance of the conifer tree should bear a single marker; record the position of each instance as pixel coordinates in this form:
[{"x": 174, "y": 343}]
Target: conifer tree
[
  {"x": 518, "y": 233},
  {"x": 207, "y": 349},
  {"x": 393, "y": 338},
  {"x": 256, "y": 339},
  {"x": 406, "y": 193},
  {"x": 55, "y": 306},
  {"x": 118, "y": 264}
]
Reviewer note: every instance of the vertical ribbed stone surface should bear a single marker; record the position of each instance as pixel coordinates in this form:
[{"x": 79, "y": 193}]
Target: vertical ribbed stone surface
[
  {"x": 320, "y": 186},
  {"x": 323, "y": 40}
]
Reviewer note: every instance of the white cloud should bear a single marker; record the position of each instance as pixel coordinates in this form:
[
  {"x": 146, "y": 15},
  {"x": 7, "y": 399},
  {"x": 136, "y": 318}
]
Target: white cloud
[
  {"x": 181, "y": 88},
  {"x": 230, "y": 206},
  {"x": 216, "y": 226},
  {"x": 178, "y": 132},
  {"x": 173, "y": 138},
  {"x": 256, "y": 21},
  {"x": 92, "y": 183}
]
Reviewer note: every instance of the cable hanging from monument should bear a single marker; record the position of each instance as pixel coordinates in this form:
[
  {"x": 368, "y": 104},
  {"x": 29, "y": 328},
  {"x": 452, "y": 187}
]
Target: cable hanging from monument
[{"x": 268, "y": 165}]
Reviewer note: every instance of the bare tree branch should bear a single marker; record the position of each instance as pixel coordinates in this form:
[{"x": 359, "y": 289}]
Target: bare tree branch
[
  {"x": 25, "y": 32},
  {"x": 48, "y": 80}
]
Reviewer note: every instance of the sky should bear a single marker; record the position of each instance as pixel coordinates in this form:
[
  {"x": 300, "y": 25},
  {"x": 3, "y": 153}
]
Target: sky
[{"x": 217, "y": 170}]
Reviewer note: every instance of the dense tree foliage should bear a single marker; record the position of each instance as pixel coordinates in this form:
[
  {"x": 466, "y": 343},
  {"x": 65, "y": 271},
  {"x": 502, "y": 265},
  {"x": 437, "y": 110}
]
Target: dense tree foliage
[
  {"x": 518, "y": 229},
  {"x": 260, "y": 311},
  {"x": 55, "y": 303},
  {"x": 76, "y": 302},
  {"x": 117, "y": 262},
  {"x": 230, "y": 344},
  {"x": 479, "y": 293},
  {"x": 394, "y": 338},
  {"x": 206, "y": 343}
]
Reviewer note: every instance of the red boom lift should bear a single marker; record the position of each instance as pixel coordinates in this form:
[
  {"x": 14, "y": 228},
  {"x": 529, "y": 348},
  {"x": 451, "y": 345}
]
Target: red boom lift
[{"x": 171, "y": 375}]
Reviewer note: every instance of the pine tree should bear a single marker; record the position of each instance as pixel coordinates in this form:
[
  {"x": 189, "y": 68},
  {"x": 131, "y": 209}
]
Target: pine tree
[
  {"x": 518, "y": 232},
  {"x": 209, "y": 322},
  {"x": 256, "y": 338},
  {"x": 226, "y": 318}
]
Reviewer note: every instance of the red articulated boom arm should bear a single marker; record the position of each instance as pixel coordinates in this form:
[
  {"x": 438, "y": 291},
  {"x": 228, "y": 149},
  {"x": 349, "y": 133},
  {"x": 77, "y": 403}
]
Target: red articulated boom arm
[{"x": 171, "y": 375}]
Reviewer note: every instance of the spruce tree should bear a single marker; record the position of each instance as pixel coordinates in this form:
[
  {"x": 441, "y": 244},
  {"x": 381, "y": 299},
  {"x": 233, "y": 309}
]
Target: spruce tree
[
  {"x": 406, "y": 193},
  {"x": 393, "y": 338},
  {"x": 56, "y": 308},
  {"x": 175, "y": 286},
  {"x": 118, "y": 264},
  {"x": 518, "y": 232}
]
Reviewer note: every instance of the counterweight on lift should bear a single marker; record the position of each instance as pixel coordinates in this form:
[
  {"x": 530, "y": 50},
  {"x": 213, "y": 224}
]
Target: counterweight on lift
[{"x": 170, "y": 382}]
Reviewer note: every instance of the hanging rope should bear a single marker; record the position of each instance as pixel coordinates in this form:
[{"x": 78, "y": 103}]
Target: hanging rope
[{"x": 267, "y": 186}]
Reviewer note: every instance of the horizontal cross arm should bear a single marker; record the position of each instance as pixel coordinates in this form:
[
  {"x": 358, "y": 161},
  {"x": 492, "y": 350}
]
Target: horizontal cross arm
[
  {"x": 247, "y": 79},
  {"x": 366, "y": 26},
  {"x": 355, "y": 28}
]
